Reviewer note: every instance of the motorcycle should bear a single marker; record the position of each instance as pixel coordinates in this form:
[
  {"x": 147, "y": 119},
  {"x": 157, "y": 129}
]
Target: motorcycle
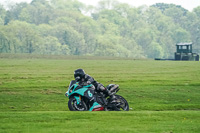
[{"x": 84, "y": 98}]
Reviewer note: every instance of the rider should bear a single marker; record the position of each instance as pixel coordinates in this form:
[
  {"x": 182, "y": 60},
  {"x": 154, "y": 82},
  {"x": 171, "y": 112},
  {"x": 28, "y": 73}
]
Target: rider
[{"x": 84, "y": 79}]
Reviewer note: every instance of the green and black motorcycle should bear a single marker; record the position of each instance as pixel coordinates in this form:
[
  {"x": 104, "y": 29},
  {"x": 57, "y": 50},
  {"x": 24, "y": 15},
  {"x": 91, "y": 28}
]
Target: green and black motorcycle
[{"x": 81, "y": 98}]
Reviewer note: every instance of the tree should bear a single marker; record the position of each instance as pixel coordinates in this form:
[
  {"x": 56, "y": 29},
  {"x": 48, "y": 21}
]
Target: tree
[
  {"x": 4, "y": 42},
  {"x": 181, "y": 35},
  {"x": 107, "y": 4},
  {"x": 14, "y": 12},
  {"x": 68, "y": 36},
  {"x": 1, "y": 21},
  {"x": 163, "y": 27},
  {"x": 155, "y": 50},
  {"x": 89, "y": 29},
  {"x": 51, "y": 46},
  {"x": 110, "y": 29},
  {"x": 2, "y": 13},
  {"x": 39, "y": 12},
  {"x": 23, "y": 33},
  {"x": 197, "y": 11},
  {"x": 130, "y": 44},
  {"x": 44, "y": 29},
  {"x": 25, "y": 16},
  {"x": 69, "y": 5},
  {"x": 195, "y": 29},
  {"x": 176, "y": 13},
  {"x": 163, "y": 7}
]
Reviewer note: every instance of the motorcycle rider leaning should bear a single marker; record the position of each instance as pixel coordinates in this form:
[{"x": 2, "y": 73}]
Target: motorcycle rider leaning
[{"x": 84, "y": 79}]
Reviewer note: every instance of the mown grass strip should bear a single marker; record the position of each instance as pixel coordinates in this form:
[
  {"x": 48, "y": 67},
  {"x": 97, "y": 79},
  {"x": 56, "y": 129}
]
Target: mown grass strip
[{"x": 135, "y": 121}]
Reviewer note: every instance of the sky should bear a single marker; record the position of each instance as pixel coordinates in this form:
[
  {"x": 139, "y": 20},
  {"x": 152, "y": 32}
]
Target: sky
[{"x": 187, "y": 4}]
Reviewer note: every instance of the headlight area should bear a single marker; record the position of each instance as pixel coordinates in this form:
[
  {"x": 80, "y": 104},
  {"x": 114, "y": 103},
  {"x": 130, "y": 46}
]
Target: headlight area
[{"x": 69, "y": 91}]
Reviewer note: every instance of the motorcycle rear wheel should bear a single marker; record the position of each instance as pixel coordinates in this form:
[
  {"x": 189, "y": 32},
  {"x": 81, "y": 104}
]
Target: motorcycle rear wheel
[
  {"x": 123, "y": 104},
  {"x": 73, "y": 106}
]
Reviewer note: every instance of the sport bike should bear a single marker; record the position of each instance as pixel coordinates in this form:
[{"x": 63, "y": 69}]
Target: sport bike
[{"x": 84, "y": 98}]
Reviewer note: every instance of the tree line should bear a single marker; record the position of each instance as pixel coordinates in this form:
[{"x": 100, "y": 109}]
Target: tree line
[{"x": 69, "y": 27}]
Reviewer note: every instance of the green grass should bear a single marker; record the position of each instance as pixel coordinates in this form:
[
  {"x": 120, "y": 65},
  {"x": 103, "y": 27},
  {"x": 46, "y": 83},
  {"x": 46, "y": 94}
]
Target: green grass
[
  {"x": 133, "y": 121},
  {"x": 164, "y": 95}
]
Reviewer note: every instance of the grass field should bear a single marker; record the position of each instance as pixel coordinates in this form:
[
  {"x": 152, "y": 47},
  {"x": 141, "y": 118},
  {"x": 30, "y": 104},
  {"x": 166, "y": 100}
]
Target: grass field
[{"x": 164, "y": 96}]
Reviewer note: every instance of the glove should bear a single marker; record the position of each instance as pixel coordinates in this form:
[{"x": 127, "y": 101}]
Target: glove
[
  {"x": 100, "y": 87},
  {"x": 88, "y": 82}
]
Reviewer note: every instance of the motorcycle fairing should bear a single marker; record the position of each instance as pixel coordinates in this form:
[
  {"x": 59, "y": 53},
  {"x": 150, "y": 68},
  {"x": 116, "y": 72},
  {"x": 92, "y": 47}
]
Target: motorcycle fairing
[
  {"x": 79, "y": 91},
  {"x": 96, "y": 107},
  {"x": 83, "y": 91}
]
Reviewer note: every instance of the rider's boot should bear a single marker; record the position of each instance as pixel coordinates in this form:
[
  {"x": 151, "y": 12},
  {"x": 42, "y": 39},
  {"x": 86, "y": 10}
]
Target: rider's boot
[
  {"x": 113, "y": 99},
  {"x": 112, "y": 96},
  {"x": 110, "y": 92}
]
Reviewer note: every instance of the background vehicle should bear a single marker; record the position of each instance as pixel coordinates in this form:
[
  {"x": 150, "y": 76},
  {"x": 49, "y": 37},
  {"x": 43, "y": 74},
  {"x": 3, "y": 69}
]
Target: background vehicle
[{"x": 184, "y": 52}]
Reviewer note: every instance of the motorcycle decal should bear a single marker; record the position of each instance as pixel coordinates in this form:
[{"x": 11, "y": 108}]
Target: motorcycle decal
[
  {"x": 90, "y": 94},
  {"x": 98, "y": 109},
  {"x": 94, "y": 106}
]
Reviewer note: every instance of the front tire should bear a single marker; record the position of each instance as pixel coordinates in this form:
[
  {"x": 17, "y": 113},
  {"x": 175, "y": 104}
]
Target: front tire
[{"x": 73, "y": 106}]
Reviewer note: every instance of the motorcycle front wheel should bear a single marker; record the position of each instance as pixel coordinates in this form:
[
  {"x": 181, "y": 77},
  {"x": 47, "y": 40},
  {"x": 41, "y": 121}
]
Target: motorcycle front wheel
[{"x": 74, "y": 106}]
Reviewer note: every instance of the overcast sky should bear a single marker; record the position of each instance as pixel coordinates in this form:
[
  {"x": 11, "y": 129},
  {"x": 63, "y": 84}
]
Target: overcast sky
[{"x": 188, "y": 4}]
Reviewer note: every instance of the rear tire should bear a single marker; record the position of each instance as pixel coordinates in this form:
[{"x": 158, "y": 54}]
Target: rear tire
[
  {"x": 73, "y": 106},
  {"x": 124, "y": 104}
]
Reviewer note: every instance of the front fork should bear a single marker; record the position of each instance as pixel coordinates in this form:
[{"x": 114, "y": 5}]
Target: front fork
[{"x": 78, "y": 99}]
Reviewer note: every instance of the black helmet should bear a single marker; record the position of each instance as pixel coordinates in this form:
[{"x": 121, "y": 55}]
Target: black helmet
[{"x": 79, "y": 74}]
